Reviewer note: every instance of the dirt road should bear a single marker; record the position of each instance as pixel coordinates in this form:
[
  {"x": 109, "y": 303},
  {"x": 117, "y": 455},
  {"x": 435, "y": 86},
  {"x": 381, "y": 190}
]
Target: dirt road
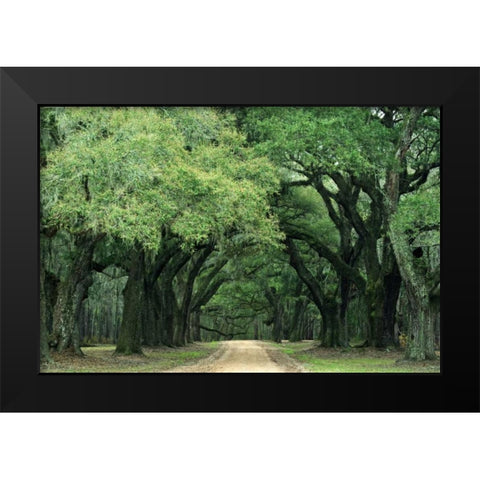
[{"x": 244, "y": 356}]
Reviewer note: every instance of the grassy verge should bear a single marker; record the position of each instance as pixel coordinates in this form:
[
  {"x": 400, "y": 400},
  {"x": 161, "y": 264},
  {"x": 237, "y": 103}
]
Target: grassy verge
[
  {"x": 353, "y": 360},
  {"x": 100, "y": 359}
]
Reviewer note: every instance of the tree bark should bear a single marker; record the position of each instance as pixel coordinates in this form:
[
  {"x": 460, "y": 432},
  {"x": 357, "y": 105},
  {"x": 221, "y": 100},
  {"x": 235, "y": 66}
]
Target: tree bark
[
  {"x": 421, "y": 335},
  {"x": 44, "y": 348},
  {"x": 296, "y": 321},
  {"x": 196, "y": 333},
  {"x": 328, "y": 307},
  {"x": 421, "y": 338},
  {"x": 172, "y": 325},
  {"x": 393, "y": 282},
  {"x": 151, "y": 325},
  {"x": 129, "y": 338},
  {"x": 186, "y": 307},
  {"x": 276, "y": 314},
  {"x": 73, "y": 289}
]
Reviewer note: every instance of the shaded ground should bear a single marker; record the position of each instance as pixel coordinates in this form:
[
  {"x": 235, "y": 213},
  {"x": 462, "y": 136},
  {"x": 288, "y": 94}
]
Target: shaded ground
[
  {"x": 245, "y": 356},
  {"x": 354, "y": 360},
  {"x": 242, "y": 356},
  {"x": 100, "y": 359}
]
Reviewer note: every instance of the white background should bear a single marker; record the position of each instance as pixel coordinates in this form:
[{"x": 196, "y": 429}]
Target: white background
[{"x": 246, "y": 33}]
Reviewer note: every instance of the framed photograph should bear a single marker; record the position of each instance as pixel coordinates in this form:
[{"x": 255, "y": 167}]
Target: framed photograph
[{"x": 239, "y": 239}]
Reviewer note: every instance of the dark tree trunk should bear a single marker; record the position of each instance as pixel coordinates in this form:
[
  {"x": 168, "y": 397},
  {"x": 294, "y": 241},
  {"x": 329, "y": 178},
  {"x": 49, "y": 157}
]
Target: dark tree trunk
[
  {"x": 276, "y": 314},
  {"x": 344, "y": 298},
  {"x": 323, "y": 332},
  {"x": 186, "y": 308},
  {"x": 255, "y": 329},
  {"x": 374, "y": 297},
  {"x": 51, "y": 283},
  {"x": 374, "y": 293},
  {"x": 172, "y": 324},
  {"x": 151, "y": 327},
  {"x": 146, "y": 304},
  {"x": 331, "y": 312},
  {"x": 72, "y": 290},
  {"x": 196, "y": 332},
  {"x": 393, "y": 282},
  {"x": 178, "y": 327},
  {"x": 167, "y": 312},
  {"x": 129, "y": 338},
  {"x": 328, "y": 307},
  {"x": 44, "y": 348},
  {"x": 296, "y": 320},
  {"x": 277, "y": 328}
]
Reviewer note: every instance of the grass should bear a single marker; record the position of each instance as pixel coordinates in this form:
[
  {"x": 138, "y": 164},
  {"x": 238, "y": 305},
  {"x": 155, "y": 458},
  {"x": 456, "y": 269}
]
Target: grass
[
  {"x": 100, "y": 359},
  {"x": 354, "y": 360}
]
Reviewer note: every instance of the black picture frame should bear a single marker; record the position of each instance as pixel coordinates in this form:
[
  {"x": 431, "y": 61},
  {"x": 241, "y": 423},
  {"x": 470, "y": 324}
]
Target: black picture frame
[{"x": 24, "y": 389}]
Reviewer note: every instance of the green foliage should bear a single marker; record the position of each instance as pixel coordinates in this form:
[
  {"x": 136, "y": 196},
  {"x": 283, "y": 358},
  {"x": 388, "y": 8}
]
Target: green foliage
[
  {"x": 321, "y": 138},
  {"x": 419, "y": 210},
  {"x": 125, "y": 172},
  {"x": 242, "y": 179}
]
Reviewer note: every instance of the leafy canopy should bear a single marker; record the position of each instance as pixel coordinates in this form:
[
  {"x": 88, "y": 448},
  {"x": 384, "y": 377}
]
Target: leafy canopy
[{"x": 130, "y": 172}]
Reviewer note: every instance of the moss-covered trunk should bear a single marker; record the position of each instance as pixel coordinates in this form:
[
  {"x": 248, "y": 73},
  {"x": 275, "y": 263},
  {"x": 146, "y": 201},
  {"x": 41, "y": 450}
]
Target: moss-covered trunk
[
  {"x": 183, "y": 335},
  {"x": 169, "y": 313},
  {"x": 297, "y": 320},
  {"x": 421, "y": 334},
  {"x": 196, "y": 332},
  {"x": 73, "y": 289},
  {"x": 393, "y": 282},
  {"x": 172, "y": 325},
  {"x": 374, "y": 297},
  {"x": 151, "y": 318},
  {"x": 374, "y": 292},
  {"x": 130, "y": 335},
  {"x": 44, "y": 348},
  {"x": 344, "y": 298},
  {"x": 331, "y": 317}
]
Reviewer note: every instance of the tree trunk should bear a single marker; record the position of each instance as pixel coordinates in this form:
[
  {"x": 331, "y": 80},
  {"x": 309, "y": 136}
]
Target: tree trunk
[
  {"x": 167, "y": 312},
  {"x": 151, "y": 327},
  {"x": 296, "y": 322},
  {"x": 73, "y": 289},
  {"x": 374, "y": 294},
  {"x": 174, "y": 311},
  {"x": 344, "y": 297},
  {"x": 277, "y": 329},
  {"x": 296, "y": 317},
  {"x": 186, "y": 308},
  {"x": 374, "y": 297},
  {"x": 196, "y": 332},
  {"x": 421, "y": 335},
  {"x": 129, "y": 338},
  {"x": 330, "y": 315},
  {"x": 393, "y": 282},
  {"x": 276, "y": 315},
  {"x": 327, "y": 306},
  {"x": 50, "y": 289},
  {"x": 255, "y": 329},
  {"x": 421, "y": 338},
  {"x": 44, "y": 348},
  {"x": 172, "y": 325}
]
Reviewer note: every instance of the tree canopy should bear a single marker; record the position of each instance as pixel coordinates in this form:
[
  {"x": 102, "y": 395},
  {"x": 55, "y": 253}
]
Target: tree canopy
[{"x": 166, "y": 225}]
